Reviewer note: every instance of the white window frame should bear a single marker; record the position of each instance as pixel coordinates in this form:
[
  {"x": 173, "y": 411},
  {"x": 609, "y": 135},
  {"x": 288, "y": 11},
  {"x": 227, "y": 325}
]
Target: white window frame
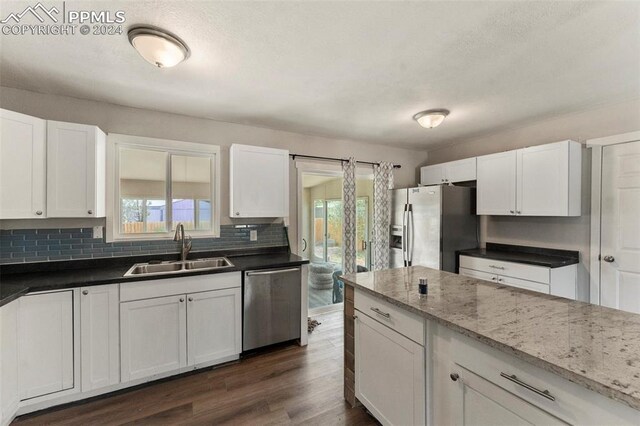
[{"x": 117, "y": 141}]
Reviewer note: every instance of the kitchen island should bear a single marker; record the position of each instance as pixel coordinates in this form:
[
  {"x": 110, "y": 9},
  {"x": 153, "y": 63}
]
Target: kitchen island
[{"x": 489, "y": 353}]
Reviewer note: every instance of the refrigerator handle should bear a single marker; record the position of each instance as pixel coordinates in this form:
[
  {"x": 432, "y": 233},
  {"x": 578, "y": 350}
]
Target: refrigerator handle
[
  {"x": 404, "y": 236},
  {"x": 410, "y": 235}
]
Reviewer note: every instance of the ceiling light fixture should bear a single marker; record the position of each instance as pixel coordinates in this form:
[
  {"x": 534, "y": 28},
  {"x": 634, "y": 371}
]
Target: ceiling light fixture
[
  {"x": 158, "y": 47},
  {"x": 431, "y": 118}
]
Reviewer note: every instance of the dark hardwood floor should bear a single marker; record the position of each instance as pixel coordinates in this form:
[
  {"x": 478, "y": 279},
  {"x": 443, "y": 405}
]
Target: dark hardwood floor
[{"x": 287, "y": 385}]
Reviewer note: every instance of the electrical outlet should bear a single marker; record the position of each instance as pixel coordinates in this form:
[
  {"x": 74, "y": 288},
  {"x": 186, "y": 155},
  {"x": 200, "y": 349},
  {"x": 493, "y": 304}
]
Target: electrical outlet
[
  {"x": 97, "y": 232},
  {"x": 253, "y": 235}
]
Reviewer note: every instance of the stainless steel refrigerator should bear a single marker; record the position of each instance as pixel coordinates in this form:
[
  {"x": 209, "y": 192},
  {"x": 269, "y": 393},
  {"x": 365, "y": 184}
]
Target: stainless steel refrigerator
[{"x": 430, "y": 223}]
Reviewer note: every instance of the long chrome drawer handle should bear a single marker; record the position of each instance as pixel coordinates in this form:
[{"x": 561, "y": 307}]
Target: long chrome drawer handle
[
  {"x": 496, "y": 267},
  {"x": 279, "y": 271},
  {"x": 545, "y": 393},
  {"x": 379, "y": 312}
]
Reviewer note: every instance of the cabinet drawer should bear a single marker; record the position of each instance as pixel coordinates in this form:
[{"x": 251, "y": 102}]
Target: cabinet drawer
[
  {"x": 527, "y": 285},
  {"x": 569, "y": 402},
  {"x": 478, "y": 274},
  {"x": 539, "y": 274},
  {"x": 398, "y": 319},
  {"x": 179, "y": 285}
]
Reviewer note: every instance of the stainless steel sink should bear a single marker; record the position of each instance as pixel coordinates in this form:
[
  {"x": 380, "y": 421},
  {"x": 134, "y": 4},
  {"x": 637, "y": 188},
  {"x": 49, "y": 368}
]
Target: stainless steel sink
[{"x": 171, "y": 268}]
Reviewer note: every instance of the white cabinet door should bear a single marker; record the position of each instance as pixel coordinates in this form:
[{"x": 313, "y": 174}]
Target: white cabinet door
[
  {"x": 45, "y": 343},
  {"x": 496, "y": 184},
  {"x": 214, "y": 325},
  {"x": 100, "y": 336},
  {"x": 480, "y": 402},
  {"x": 432, "y": 175},
  {"x": 259, "y": 182},
  {"x": 75, "y": 170},
  {"x": 390, "y": 373},
  {"x": 547, "y": 183},
  {"x": 8, "y": 361},
  {"x": 460, "y": 170},
  {"x": 22, "y": 166},
  {"x": 153, "y": 336}
]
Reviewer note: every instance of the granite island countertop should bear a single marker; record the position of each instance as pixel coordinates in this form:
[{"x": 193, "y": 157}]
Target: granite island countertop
[{"x": 590, "y": 345}]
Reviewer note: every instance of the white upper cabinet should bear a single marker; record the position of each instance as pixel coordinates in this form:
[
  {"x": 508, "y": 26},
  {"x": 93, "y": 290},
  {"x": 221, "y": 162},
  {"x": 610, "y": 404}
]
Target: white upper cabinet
[
  {"x": 549, "y": 179},
  {"x": 451, "y": 172},
  {"x": 259, "y": 182},
  {"x": 542, "y": 180},
  {"x": 22, "y": 166},
  {"x": 496, "y": 184},
  {"x": 75, "y": 170}
]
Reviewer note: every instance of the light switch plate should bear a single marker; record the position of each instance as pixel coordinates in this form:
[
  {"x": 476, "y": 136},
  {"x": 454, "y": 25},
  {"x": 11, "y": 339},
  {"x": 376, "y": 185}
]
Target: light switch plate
[
  {"x": 97, "y": 232},
  {"x": 253, "y": 235}
]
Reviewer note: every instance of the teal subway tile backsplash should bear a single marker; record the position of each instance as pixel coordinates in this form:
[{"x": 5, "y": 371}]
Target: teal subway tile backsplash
[{"x": 41, "y": 245}]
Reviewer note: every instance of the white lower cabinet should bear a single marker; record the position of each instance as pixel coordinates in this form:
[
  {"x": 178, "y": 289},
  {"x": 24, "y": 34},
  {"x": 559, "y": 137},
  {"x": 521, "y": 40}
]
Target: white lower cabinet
[
  {"x": 214, "y": 329},
  {"x": 153, "y": 336},
  {"x": 100, "y": 336},
  {"x": 480, "y": 402},
  {"x": 45, "y": 344},
  {"x": 8, "y": 362},
  {"x": 390, "y": 368}
]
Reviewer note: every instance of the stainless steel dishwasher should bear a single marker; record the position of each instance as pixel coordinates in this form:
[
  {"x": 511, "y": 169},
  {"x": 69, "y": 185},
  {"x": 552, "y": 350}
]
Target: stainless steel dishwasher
[{"x": 272, "y": 307}]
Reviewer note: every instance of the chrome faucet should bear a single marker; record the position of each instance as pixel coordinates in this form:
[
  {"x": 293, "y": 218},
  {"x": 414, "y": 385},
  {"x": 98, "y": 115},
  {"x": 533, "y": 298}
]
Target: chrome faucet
[{"x": 186, "y": 240}]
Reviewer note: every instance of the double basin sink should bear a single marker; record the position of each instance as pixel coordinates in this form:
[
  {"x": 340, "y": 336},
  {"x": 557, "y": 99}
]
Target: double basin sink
[{"x": 178, "y": 267}]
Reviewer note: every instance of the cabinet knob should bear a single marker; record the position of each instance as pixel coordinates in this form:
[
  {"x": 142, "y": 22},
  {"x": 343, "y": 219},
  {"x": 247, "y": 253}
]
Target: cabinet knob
[
  {"x": 191, "y": 299},
  {"x": 39, "y": 212},
  {"x": 237, "y": 213},
  {"x": 454, "y": 376},
  {"x": 85, "y": 292},
  {"x": 518, "y": 212},
  {"x": 90, "y": 211},
  {"x": 512, "y": 211},
  {"x": 609, "y": 259},
  {"x": 182, "y": 299},
  {"x": 355, "y": 317}
]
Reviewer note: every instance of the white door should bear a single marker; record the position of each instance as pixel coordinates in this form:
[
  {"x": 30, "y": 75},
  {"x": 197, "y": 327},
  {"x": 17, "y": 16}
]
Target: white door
[
  {"x": 620, "y": 227},
  {"x": 259, "y": 184},
  {"x": 74, "y": 152},
  {"x": 460, "y": 170},
  {"x": 479, "y": 402},
  {"x": 100, "y": 336},
  {"x": 22, "y": 166},
  {"x": 153, "y": 336},
  {"x": 390, "y": 373},
  {"x": 432, "y": 175},
  {"x": 214, "y": 325},
  {"x": 45, "y": 343},
  {"x": 9, "y": 360},
  {"x": 543, "y": 180},
  {"x": 496, "y": 184}
]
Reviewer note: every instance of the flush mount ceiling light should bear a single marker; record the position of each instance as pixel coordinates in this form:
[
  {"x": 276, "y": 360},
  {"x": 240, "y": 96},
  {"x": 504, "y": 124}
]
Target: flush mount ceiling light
[
  {"x": 158, "y": 47},
  {"x": 431, "y": 118}
]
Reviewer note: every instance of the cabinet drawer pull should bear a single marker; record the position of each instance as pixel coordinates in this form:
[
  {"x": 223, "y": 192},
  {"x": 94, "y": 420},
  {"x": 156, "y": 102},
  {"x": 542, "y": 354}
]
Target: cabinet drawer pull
[
  {"x": 379, "y": 312},
  {"x": 85, "y": 292},
  {"x": 512, "y": 378},
  {"x": 496, "y": 267},
  {"x": 454, "y": 376}
]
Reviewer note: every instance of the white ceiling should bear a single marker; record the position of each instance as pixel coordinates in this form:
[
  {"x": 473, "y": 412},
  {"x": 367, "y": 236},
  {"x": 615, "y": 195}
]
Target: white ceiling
[{"x": 350, "y": 69}]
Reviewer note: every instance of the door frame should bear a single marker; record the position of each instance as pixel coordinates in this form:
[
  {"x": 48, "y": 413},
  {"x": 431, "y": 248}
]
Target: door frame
[
  {"x": 322, "y": 169},
  {"x": 596, "y": 145}
]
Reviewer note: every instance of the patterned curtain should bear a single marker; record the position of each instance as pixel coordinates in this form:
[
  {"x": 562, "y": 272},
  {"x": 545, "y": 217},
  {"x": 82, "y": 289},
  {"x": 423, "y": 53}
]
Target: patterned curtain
[
  {"x": 382, "y": 183},
  {"x": 349, "y": 215}
]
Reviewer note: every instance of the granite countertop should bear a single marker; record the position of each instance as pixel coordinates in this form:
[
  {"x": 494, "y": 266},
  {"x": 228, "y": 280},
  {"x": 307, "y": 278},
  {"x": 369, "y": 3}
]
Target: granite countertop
[
  {"x": 14, "y": 285},
  {"x": 551, "y": 258},
  {"x": 593, "y": 346}
]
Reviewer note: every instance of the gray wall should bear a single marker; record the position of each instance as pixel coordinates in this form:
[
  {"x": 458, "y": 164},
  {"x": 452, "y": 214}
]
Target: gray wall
[
  {"x": 133, "y": 121},
  {"x": 571, "y": 233}
]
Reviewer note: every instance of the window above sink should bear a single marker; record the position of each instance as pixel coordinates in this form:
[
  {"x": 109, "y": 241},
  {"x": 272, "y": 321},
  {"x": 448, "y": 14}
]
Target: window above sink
[{"x": 154, "y": 184}]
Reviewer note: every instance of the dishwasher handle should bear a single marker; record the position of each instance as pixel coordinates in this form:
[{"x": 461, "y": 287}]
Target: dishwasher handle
[{"x": 279, "y": 271}]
